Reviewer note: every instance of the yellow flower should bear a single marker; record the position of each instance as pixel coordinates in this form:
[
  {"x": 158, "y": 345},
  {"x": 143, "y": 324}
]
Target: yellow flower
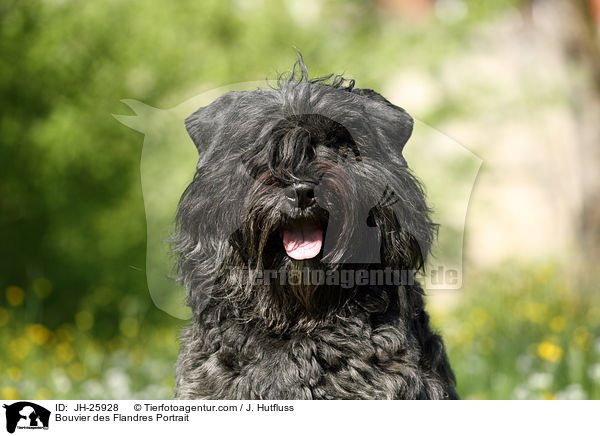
[
  {"x": 15, "y": 295},
  {"x": 549, "y": 396},
  {"x": 10, "y": 393},
  {"x": 65, "y": 352},
  {"x": 19, "y": 348},
  {"x": 37, "y": 333},
  {"x": 557, "y": 324},
  {"x": 549, "y": 351},
  {"x": 77, "y": 372}
]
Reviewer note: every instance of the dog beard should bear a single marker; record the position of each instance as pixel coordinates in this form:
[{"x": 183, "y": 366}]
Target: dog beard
[
  {"x": 303, "y": 281},
  {"x": 286, "y": 250}
]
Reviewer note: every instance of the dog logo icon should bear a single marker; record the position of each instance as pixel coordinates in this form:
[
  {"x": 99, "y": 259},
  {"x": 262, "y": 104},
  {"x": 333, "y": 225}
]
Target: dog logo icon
[{"x": 26, "y": 415}]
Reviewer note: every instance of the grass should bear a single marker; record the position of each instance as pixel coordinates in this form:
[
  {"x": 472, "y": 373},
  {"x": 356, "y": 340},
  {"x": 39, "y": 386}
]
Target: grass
[{"x": 524, "y": 333}]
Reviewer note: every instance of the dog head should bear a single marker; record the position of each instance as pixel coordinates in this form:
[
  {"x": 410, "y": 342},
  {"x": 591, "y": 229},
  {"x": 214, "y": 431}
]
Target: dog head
[{"x": 310, "y": 176}]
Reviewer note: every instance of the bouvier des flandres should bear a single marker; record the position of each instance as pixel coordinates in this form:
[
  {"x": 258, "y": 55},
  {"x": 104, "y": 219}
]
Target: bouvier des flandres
[{"x": 297, "y": 241}]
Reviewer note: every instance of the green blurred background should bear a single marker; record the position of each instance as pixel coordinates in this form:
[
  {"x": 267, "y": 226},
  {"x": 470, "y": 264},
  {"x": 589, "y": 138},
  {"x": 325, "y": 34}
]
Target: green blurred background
[{"x": 516, "y": 82}]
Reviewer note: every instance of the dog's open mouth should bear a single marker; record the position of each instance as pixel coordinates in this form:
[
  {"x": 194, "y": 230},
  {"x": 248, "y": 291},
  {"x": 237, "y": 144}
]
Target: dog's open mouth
[{"x": 302, "y": 240}]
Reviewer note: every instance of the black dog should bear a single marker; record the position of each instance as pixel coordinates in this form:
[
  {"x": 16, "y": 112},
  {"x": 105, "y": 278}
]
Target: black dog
[{"x": 297, "y": 240}]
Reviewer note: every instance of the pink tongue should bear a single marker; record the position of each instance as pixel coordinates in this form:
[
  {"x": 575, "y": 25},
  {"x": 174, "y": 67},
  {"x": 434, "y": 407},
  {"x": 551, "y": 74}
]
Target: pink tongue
[{"x": 303, "y": 242}]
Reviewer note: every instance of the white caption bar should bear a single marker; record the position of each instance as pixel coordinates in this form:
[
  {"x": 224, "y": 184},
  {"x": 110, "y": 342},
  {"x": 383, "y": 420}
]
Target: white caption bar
[{"x": 306, "y": 418}]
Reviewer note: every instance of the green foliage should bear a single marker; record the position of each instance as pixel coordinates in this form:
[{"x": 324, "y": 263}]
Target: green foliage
[
  {"x": 515, "y": 333},
  {"x": 524, "y": 333},
  {"x": 70, "y": 362}
]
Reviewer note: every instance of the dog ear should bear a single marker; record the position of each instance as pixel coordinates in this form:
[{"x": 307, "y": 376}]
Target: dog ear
[
  {"x": 206, "y": 125},
  {"x": 393, "y": 120}
]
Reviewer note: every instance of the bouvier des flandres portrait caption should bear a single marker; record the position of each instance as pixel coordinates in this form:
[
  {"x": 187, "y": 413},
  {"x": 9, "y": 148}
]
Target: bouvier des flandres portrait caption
[{"x": 298, "y": 241}]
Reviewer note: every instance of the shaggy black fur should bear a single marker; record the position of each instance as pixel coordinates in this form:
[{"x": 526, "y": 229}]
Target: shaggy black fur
[{"x": 252, "y": 338}]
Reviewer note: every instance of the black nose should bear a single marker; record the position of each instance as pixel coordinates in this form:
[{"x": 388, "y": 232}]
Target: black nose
[{"x": 301, "y": 195}]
